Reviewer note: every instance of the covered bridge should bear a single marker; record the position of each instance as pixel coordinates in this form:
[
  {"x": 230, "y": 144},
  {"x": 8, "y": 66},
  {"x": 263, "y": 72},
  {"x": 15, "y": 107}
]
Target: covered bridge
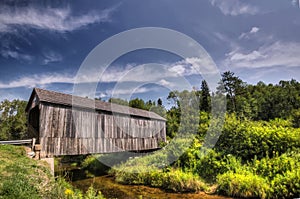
[{"x": 90, "y": 126}]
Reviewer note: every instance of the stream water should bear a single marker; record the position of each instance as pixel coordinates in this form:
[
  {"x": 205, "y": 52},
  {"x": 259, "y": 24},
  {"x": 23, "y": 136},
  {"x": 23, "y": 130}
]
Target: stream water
[{"x": 111, "y": 189}]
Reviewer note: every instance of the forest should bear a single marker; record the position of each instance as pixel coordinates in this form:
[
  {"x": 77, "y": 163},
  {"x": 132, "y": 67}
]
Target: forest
[{"x": 256, "y": 155}]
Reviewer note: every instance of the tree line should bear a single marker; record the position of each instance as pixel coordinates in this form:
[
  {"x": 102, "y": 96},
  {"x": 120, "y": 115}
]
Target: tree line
[{"x": 254, "y": 102}]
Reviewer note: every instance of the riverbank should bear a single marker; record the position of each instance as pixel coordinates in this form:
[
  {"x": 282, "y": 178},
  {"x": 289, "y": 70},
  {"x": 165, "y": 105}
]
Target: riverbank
[
  {"x": 22, "y": 177},
  {"x": 92, "y": 172}
]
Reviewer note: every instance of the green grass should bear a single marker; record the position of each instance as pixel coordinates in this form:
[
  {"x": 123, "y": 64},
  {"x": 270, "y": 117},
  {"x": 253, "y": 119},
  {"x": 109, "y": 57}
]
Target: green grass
[{"x": 22, "y": 178}]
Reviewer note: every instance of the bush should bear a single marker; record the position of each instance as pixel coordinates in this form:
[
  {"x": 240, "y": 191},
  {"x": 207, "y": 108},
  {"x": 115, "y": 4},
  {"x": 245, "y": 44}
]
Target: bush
[
  {"x": 248, "y": 139},
  {"x": 271, "y": 167},
  {"x": 210, "y": 165},
  {"x": 286, "y": 185},
  {"x": 94, "y": 165},
  {"x": 173, "y": 180},
  {"x": 243, "y": 184}
]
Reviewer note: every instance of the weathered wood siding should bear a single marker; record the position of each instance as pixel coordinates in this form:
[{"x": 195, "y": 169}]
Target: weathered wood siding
[{"x": 87, "y": 132}]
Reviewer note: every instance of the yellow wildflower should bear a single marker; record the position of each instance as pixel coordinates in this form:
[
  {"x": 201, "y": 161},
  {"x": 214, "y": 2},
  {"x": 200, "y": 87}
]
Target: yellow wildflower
[{"x": 68, "y": 192}]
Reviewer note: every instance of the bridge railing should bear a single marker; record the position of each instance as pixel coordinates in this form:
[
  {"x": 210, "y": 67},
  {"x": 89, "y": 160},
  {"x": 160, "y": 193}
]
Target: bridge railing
[
  {"x": 17, "y": 142},
  {"x": 20, "y": 142}
]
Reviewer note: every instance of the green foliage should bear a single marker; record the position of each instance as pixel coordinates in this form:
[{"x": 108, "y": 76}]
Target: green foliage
[
  {"x": 204, "y": 120},
  {"x": 272, "y": 167},
  {"x": 247, "y": 139},
  {"x": 242, "y": 184},
  {"x": 17, "y": 186},
  {"x": 93, "y": 164},
  {"x": 137, "y": 103},
  {"x": 213, "y": 164},
  {"x": 232, "y": 86},
  {"x": 173, "y": 121},
  {"x": 13, "y": 120},
  {"x": 205, "y": 97},
  {"x": 118, "y": 101},
  {"x": 287, "y": 185},
  {"x": 173, "y": 180},
  {"x": 296, "y": 118},
  {"x": 22, "y": 177},
  {"x": 91, "y": 193}
]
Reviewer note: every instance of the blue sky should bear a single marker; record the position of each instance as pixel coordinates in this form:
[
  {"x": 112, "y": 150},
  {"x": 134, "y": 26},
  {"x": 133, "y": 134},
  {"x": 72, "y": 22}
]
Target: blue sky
[{"x": 43, "y": 43}]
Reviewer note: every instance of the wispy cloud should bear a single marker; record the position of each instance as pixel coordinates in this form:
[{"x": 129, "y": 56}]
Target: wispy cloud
[
  {"x": 246, "y": 35},
  {"x": 51, "y": 57},
  {"x": 296, "y": 3},
  {"x": 169, "y": 75},
  {"x": 234, "y": 7},
  {"x": 275, "y": 54},
  {"x": 15, "y": 55},
  {"x": 37, "y": 80},
  {"x": 60, "y": 20}
]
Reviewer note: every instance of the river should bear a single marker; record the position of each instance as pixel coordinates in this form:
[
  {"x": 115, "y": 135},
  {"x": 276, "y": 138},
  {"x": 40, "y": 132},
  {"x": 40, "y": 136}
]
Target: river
[{"x": 111, "y": 189}]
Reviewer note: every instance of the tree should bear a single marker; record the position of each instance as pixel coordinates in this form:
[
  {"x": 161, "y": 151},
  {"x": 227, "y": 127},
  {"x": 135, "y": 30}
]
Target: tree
[
  {"x": 205, "y": 97},
  {"x": 173, "y": 96},
  {"x": 149, "y": 104},
  {"x": 159, "y": 108},
  {"x": 159, "y": 102},
  {"x": 232, "y": 86},
  {"x": 13, "y": 120},
  {"x": 118, "y": 101},
  {"x": 137, "y": 103}
]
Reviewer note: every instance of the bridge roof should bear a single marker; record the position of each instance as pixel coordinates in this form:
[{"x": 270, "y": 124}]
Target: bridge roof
[{"x": 81, "y": 102}]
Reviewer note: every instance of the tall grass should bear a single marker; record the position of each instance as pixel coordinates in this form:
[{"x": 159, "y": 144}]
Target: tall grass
[{"x": 22, "y": 177}]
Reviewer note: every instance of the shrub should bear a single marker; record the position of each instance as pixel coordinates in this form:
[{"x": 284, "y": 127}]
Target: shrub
[
  {"x": 210, "y": 165},
  {"x": 243, "y": 184},
  {"x": 271, "y": 167},
  {"x": 174, "y": 180},
  {"x": 94, "y": 165},
  {"x": 286, "y": 185},
  {"x": 247, "y": 139}
]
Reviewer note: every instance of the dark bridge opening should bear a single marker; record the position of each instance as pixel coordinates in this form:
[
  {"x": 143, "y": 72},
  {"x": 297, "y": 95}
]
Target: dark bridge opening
[{"x": 33, "y": 123}]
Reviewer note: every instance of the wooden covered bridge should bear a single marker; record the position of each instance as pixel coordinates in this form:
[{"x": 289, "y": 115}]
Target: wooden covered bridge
[{"x": 62, "y": 128}]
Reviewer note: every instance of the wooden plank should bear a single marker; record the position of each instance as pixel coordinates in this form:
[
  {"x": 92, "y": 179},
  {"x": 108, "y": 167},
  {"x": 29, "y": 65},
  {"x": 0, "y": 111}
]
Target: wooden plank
[{"x": 42, "y": 120}]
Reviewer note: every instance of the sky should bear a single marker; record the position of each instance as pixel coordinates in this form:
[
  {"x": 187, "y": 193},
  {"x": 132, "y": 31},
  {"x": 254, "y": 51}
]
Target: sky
[{"x": 44, "y": 44}]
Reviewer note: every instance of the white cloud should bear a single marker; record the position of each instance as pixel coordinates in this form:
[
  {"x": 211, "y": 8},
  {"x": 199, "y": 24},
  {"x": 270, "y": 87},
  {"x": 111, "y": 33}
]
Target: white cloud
[
  {"x": 234, "y": 7},
  {"x": 275, "y": 54},
  {"x": 170, "y": 75},
  {"x": 37, "y": 80},
  {"x": 179, "y": 68},
  {"x": 15, "y": 55},
  {"x": 166, "y": 83},
  {"x": 254, "y": 30},
  {"x": 247, "y": 35},
  {"x": 51, "y": 57},
  {"x": 60, "y": 20}
]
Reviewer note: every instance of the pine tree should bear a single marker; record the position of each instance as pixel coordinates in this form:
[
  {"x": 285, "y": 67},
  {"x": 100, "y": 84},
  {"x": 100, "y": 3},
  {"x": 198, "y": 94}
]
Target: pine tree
[{"x": 205, "y": 97}]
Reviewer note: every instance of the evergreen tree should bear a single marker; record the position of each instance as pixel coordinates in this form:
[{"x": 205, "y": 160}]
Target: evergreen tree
[
  {"x": 159, "y": 102},
  {"x": 205, "y": 97}
]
